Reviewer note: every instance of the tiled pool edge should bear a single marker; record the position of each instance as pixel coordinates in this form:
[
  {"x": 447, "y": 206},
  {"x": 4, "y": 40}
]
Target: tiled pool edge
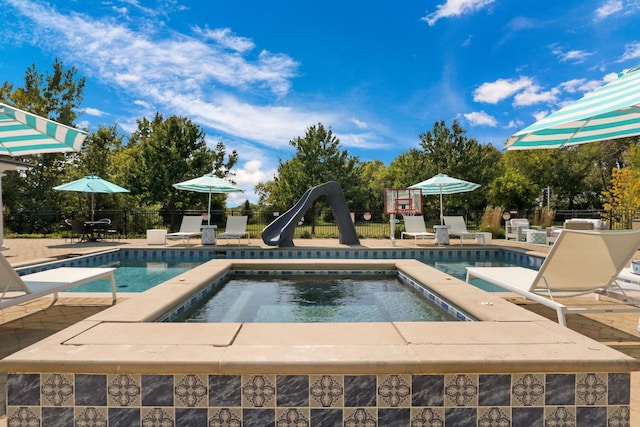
[
  {"x": 390, "y": 398},
  {"x": 127, "y": 399}
]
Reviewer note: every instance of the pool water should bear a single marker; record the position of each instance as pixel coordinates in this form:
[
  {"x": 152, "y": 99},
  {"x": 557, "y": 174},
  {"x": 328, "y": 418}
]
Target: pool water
[
  {"x": 458, "y": 269},
  {"x": 138, "y": 275},
  {"x": 317, "y": 299}
]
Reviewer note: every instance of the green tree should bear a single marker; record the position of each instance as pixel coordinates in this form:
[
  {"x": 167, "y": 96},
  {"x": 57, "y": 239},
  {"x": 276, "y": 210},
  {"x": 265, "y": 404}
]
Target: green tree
[
  {"x": 449, "y": 151},
  {"x": 319, "y": 158},
  {"x": 374, "y": 174},
  {"x": 57, "y": 96},
  {"x": 162, "y": 152}
]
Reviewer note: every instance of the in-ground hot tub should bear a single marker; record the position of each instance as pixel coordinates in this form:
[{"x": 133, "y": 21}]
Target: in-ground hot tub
[{"x": 509, "y": 366}]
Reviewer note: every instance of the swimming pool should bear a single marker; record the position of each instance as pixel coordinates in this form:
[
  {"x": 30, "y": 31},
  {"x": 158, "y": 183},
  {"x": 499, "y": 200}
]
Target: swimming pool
[
  {"x": 138, "y": 275},
  {"x": 302, "y": 299},
  {"x": 137, "y": 269}
]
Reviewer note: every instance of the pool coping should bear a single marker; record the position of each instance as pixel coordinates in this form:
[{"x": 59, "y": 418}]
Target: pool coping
[{"x": 507, "y": 338}]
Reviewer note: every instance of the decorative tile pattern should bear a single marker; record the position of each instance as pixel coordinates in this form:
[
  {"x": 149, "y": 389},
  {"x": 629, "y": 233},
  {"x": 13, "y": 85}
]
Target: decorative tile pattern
[
  {"x": 258, "y": 391},
  {"x": 429, "y": 400},
  {"x": 191, "y": 391},
  {"x": 123, "y": 390},
  {"x": 57, "y": 390},
  {"x": 394, "y": 391},
  {"x": 326, "y": 391},
  {"x": 91, "y": 416},
  {"x": 461, "y": 390}
]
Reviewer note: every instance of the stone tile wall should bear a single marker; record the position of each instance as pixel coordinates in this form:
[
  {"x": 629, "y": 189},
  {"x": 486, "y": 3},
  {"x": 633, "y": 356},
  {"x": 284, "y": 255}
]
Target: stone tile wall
[{"x": 127, "y": 400}]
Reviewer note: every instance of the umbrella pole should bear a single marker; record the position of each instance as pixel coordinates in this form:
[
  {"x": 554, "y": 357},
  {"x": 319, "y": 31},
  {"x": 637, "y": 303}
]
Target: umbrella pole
[
  {"x": 209, "y": 210},
  {"x": 93, "y": 205},
  {"x": 441, "y": 215}
]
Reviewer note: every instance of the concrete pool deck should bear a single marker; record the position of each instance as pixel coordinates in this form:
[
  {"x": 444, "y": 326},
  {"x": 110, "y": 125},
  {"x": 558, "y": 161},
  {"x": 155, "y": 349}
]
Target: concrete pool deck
[{"x": 616, "y": 331}]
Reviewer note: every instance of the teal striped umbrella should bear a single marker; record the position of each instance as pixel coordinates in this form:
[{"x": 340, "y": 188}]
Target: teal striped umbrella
[
  {"x": 23, "y": 133},
  {"x": 208, "y": 183},
  {"x": 444, "y": 184},
  {"x": 609, "y": 112}
]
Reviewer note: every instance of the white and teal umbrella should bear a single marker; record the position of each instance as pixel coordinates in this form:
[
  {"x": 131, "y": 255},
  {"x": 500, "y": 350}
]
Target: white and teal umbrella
[
  {"x": 23, "y": 133},
  {"x": 91, "y": 184},
  {"x": 444, "y": 184},
  {"x": 208, "y": 183},
  {"x": 609, "y": 112}
]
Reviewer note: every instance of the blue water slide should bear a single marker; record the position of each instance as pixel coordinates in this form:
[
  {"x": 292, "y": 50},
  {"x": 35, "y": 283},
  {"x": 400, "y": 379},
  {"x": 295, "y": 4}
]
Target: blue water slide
[{"x": 280, "y": 231}]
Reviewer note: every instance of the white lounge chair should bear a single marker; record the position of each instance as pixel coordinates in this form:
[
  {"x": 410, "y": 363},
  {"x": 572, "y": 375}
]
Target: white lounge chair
[
  {"x": 16, "y": 289},
  {"x": 236, "y": 228},
  {"x": 191, "y": 226},
  {"x": 414, "y": 226},
  {"x": 515, "y": 228},
  {"x": 458, "y": 228},
  {"x": 579, "y": 263}
]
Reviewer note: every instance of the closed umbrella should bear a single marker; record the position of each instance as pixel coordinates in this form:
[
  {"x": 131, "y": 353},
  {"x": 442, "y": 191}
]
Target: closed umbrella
[
  {"x": 444, "y": 184},
  {"x": 91, "y": 184},
  {"x": 210, "y": 184},
  {"x": 23, "y": 133},
  {"x": 609, "y": 112}
]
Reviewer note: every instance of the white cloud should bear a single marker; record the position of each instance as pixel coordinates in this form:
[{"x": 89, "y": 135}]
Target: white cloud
[
  {"x": 608, "y": 8},
  {"x": 532, "y": 95},
  {"x": 454, "y": 8},
  {"x": 574, "y": 56},
  {"x": 201, "y": 76},
  {"x": 573, "y": 85},
  {"x": 359, "y": 123},
  {"x": 539, "y": 115},
  {"x": 94, "y": 112},
  {"x": 225, "y": 37},
  {"x": 514, "y": 124},
  {"x": 631, "y": 51},
  {"x": 494, "y": 92},
  {"x": 480, "y": 118},
  {"x": 247, "y": 176}
]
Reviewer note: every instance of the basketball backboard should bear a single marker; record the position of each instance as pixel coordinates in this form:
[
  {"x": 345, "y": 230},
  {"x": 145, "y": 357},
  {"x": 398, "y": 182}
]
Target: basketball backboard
[{"x": 405, "y": 201}]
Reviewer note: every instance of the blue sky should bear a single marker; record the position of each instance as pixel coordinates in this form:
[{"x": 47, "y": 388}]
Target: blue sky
[{"x": 256, "y": 74}]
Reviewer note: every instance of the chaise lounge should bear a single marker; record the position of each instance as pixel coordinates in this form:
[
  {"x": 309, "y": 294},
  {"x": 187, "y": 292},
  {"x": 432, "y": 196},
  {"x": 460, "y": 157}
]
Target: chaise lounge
[
  {"x": 414, "y": 226},
  {"x": 580, "y": 263},
  {"x": 191, "y": 226},
  {"x": 236, "y": 229},
  {"x": 458, "y": 228},
  {"x": 16, "y": 289}
]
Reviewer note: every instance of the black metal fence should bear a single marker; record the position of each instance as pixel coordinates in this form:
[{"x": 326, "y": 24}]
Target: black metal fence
[{"x": 134, "y": 223}]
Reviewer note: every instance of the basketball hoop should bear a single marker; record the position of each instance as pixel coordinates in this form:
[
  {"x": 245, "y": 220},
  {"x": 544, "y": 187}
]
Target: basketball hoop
[{"x": 403, "y": 201}]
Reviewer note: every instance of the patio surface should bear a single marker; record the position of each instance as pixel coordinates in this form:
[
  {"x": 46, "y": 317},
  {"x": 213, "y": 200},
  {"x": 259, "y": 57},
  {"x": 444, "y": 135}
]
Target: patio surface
[{"x": 29, "y": 323}]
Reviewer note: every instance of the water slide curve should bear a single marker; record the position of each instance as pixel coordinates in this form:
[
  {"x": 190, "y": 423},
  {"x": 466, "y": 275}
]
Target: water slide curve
[{"x": 280, "y": 231}]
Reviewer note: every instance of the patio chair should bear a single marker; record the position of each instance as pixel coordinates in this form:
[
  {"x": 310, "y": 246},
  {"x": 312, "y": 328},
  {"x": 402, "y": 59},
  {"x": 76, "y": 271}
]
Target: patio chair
[
  {"x": 236, "y": 228},
  {"x": 16, "y": 289},
  {"x": 113, "y": 231},
  {"x": 515, "y": 229},
  {"x": 579, "y": 263},
  {"x": 78, "y": 229},
  {"x": 414, "y": 226},
  {"x": 458, "y": 228},
  {"x": 190, "y": 227}
]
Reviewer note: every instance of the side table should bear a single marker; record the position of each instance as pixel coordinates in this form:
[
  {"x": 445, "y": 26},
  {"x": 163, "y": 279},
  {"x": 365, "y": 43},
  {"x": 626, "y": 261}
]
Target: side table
[
  {"x": 442, "y": 234},
  {"x": 209, "y": 234},
  {"x": 156, "y": 237},
  {"x": 537, "y": 237}
]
